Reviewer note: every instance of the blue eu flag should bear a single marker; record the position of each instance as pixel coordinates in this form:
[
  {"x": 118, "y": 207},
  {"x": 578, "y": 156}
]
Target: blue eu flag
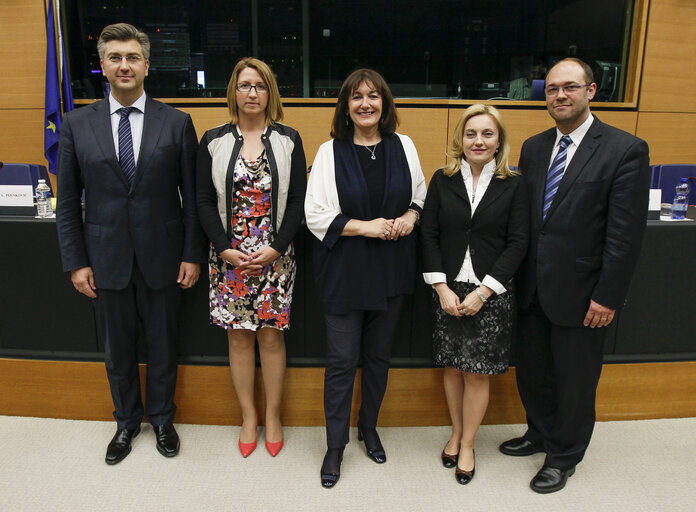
[
  {"x": 53, "y": 89},
  {"x": 52, "y": 121}
]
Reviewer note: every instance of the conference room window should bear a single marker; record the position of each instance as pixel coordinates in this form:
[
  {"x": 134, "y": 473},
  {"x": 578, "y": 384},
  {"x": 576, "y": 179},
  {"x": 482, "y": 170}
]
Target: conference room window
[{"x": 424, "y": 48}]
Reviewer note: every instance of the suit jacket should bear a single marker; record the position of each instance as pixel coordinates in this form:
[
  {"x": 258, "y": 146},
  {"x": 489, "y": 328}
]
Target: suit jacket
[
  {"x": 588, "y": 245},
  {"x": 497, "y": 233},
  {"x": 154, "y": 220}
]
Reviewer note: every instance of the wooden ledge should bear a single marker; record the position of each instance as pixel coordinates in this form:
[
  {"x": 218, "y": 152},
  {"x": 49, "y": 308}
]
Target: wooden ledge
[{"x": 79, "y": 390}]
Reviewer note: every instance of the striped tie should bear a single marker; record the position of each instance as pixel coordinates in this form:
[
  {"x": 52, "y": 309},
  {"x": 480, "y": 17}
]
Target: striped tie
[
  {"x": 125, "y": 145},
  {"x": 555, "y": 174}
]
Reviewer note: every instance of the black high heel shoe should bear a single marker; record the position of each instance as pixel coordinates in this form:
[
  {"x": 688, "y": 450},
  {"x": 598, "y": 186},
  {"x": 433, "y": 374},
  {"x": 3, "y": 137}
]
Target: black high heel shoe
[
  {"x": 376, "y": 453},
  {"x": 464, "y": 477},
  {"x": 331, "y": 467}
]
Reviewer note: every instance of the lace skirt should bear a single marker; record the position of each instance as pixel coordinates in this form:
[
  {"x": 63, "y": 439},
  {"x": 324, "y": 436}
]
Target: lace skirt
[{"x": 479, "y": 343}]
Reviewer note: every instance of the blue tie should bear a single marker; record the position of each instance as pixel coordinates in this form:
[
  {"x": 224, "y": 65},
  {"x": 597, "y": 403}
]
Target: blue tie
[
  {"x": 555, "y": 174},
  {"x": 125, "y": 145}
]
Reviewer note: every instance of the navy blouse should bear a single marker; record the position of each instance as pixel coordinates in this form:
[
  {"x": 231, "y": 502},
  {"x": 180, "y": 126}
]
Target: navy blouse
[{"x": 356, "y": 272}]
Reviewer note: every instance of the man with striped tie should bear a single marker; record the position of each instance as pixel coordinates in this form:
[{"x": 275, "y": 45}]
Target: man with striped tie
[
  {"x": 588, "y": 188},
  {"x": 140, "y": 240}
]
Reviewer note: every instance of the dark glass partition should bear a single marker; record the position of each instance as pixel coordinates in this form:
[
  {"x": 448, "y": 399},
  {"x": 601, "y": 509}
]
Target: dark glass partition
[{"x": 424, "y": 48}]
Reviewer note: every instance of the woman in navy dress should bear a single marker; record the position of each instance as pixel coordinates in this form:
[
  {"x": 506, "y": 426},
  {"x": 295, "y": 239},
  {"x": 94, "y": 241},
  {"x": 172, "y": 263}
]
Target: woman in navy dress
[{"x": 364, "y": 196}]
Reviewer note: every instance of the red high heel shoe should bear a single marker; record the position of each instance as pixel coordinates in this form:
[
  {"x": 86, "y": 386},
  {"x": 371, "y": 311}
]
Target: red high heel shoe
[
  {"x": 274, "y": 448},
  {"x": 246, "y": 449}
]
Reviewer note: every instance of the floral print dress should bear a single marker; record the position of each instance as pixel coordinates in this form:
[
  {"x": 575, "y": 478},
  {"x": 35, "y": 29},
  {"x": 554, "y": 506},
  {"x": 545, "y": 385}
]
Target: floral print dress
[{"x": 250, "y": 302}]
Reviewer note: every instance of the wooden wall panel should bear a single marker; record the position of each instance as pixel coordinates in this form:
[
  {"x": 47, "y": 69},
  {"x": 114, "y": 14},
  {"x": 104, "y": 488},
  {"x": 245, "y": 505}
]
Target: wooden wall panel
[
  {"x": 626, "y": 121},
  {"x": 428, "y": 129},
  {"x": 22, "y": 54},
  {"x": 21, "y": 136},
  {"x": 79, "y": 390},
  {"x": 668, "y": 82},
  {"x": 314, "y": 125},
  {"x": 670, "y": 137},
  {"x": 205, "y": 118}
]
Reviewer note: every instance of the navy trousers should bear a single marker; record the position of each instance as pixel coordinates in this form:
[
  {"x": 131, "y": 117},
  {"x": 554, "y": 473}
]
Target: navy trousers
[
  {"x": 558, "y": 370},
  {"x": 370, "y": 333},
  {"x": 119, "y": 313}
]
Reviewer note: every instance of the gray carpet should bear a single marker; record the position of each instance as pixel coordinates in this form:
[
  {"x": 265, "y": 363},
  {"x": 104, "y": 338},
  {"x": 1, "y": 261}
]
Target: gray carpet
[{"x": 58, "y": 465}]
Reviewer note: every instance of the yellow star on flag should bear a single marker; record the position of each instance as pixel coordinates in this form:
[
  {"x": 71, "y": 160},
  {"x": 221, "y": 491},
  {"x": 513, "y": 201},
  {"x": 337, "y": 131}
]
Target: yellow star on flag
[{"x": 51, "y": 126}]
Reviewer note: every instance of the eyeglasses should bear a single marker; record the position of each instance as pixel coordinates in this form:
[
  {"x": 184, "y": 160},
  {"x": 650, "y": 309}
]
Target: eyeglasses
[
  {"x": 552, "y": 90},
  {"x": 246, "y": 88},
  {"x": 131, "y": 59}
]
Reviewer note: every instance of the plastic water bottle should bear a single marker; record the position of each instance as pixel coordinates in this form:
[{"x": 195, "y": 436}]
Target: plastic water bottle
[
  {"x": 43, "y": 200},
  {"x": 681, "y": 199}
]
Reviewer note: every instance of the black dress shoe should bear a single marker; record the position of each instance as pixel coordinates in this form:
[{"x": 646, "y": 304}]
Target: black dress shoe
[
  {"x": 464, "y": 477},
  {"x": 331, "y": 467},
  {"x": 521, "y": 447},
  {"x": 120, "y": 445},
  {"x": 449, "y": 461},
  {"x": 550, "y": 479},
  {"x": 373, "y": 445},
  {"x": 167, "y": 440}
]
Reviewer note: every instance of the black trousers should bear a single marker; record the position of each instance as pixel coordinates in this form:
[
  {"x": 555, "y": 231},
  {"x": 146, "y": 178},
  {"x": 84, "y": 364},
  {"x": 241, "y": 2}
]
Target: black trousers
[
  {"x": 558, "y": 370},
  {"x": 118, "y": 315},
  {"x": 370, "y": 333}
]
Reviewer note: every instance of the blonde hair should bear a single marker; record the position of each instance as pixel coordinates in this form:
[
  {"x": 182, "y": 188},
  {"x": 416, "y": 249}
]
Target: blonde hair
[
  {"x": 274, "y": 109},
  {"x": 455, "y": 151}
]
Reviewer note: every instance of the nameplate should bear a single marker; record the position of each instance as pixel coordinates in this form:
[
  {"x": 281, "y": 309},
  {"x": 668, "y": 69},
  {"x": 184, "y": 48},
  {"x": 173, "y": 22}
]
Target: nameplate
[
  {"x": 655, "y": 199},
  {"x": 16, "y": 195}
]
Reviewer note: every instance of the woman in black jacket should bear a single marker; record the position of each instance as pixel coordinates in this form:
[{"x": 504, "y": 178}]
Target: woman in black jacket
[{"x": 475, "y": 229}]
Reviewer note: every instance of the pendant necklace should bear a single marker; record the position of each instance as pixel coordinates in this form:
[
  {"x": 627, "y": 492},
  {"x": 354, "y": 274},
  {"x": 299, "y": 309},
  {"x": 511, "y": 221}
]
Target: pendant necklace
[{"x": 372, "y": 151}]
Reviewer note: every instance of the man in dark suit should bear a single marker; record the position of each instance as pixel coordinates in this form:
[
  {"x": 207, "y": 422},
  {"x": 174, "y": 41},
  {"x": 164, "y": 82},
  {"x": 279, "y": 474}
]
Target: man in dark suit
[
  {"x": 587, "y": 184},
  {"x": 140, "y": 241}
]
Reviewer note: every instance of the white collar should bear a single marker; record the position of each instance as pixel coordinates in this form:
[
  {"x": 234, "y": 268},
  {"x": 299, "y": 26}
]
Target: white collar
[
  {"x": 486, "y": 173},
  {"x": 578, "y": 134},
  {"x": 139, "y": 104}
]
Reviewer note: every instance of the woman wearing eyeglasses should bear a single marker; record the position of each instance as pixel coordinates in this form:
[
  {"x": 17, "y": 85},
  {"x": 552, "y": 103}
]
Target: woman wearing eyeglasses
[
  {"x": 251, "y": 181},
  {"x": 364, "y": 195}
]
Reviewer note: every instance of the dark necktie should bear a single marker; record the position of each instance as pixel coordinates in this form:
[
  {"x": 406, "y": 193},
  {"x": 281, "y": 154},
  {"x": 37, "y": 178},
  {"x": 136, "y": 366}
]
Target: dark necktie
[
  {"x": 555, "y": 174},
  {"x": 125, "y": 145}
]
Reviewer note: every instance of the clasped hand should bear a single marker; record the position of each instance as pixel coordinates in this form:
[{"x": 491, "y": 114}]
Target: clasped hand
[
  {"x": 450, "y": 303},
  {"x": 391, "y": 229},
  {"x": 250, "y": 264}
]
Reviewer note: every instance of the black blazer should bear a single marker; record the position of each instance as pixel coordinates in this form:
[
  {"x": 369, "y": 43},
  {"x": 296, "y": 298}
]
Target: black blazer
[
  {"x": 497, "y": 234},
  {"x": 154, "y": 220},
  {"x": 588, "y": 245}
]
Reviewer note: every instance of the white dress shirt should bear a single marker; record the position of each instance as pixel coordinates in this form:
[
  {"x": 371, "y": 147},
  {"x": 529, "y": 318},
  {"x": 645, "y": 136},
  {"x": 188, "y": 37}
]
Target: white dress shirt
[
  {"x": 466, "y": 273},
  {"x": 136, "y": 118},
  {"x": 576, "y": 136}
]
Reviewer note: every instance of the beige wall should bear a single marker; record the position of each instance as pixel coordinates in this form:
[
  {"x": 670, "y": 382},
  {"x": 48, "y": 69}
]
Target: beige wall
[{"x": 666, "y": 115}]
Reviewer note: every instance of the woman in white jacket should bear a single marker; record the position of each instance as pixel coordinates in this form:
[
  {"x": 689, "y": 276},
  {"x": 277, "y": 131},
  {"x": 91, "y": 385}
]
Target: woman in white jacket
[{"x": 364, "y": 196}]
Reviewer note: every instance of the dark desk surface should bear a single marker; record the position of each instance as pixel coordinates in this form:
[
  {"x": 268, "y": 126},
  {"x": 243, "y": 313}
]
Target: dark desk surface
[{"x": 44, "y": 317}]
